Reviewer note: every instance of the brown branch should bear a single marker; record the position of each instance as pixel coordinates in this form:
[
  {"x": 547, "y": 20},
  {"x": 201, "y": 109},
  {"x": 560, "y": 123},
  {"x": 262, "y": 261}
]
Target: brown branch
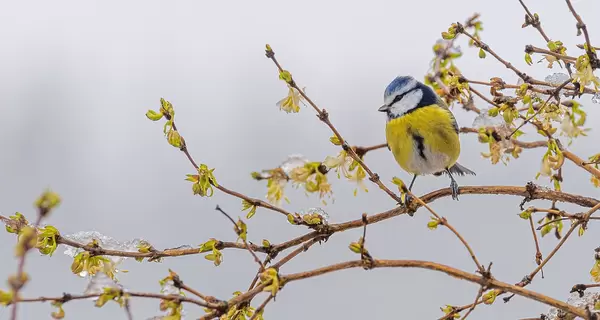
[
  {"x": 489, "y": 282},
  {"x": 582, "y": 27},
  {"x": 256, "y": 202},
  {"x": 238, "y": 231},
  {"x": 553, "y": 252},
  {"x": 156, "y": 254},
  {"x": 538, "y": 253},
  {"x": 519, "y": 73},
  {"x": 261, "y": 307},
  {"x": 530, "y": 48},
  {"x": 522, "y": 144},
  {"x": 21, "y": 277},
  {"x": 553, "y": 95},
  {"x": 535, "y": 22},
  {"x": 193, "y": 291},
  {"x": 68, "y": 297},
  {"x": 324, "y": 117},
  {"x": 580, "y": 162},
  {"x": 361, "y": 151},
  {"x": 482, "y": 96},
  {"x": 443, "y": 221},
  {"x": 474, "y": 304},
  {"x": 532, "y": 86},
  {"x": 296, "y": 252}
]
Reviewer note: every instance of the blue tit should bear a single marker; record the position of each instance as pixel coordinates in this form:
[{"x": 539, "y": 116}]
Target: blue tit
[{"x": 421, "y": 131}]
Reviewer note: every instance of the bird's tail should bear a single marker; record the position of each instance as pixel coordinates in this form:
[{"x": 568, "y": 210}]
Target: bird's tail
[{"x": 460, "y": 170}]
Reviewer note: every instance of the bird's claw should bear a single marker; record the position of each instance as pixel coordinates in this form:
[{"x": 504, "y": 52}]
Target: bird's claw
[
  {"x": 407, "y": 199},
  {"x": 454, "y": 188}
]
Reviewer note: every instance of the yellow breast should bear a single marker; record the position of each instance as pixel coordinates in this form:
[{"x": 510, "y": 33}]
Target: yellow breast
[{"x": 425, "y": 140}]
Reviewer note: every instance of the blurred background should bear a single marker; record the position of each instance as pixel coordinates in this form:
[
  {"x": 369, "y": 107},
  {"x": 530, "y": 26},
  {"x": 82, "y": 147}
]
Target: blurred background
[{"x": 78, "y": 77}]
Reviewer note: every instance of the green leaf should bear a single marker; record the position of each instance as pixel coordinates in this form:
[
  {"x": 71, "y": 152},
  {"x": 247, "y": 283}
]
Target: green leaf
[
  {"x": 285, "y": 76},
  {"x": 528, "y": 59},
  {"x": 433, "y": 224},
  {"x": 493, "y": 112},
  {"x": 581, "y": 231},
  {"x": 481, "y": 53},
  {"x": 525, "y": 214},
  {"x": 489, "y": 297},
  {"x": 355, "y": 247},
  {"x": 335, "y": 141},
  {"x": 153, "y": 115}
]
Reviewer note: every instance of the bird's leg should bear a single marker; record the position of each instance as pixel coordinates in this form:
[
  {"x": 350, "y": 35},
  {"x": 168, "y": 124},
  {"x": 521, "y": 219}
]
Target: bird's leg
[
  {"x": 408, "y": 198},
  {"x": 453, "y": 186}
]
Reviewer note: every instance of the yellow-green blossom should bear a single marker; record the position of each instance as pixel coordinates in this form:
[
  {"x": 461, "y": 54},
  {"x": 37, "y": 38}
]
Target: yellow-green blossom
[{"x": 291, "y": 103}]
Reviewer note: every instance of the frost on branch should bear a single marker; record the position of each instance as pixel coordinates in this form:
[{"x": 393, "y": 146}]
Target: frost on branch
[
  {"x": 104, "y": 242},
  {"x": 589, "y": 300}
]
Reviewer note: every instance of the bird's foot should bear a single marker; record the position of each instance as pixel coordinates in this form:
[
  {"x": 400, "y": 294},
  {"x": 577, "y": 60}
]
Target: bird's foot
[
  {"x": 454, "y": 188},
  {"x": 407, "y": 199}
]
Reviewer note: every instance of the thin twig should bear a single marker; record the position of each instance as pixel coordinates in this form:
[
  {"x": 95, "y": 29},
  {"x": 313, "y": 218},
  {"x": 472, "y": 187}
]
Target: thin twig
[
  {"x": 474, "y": 304},
  {"x": 555, "y": 94},
  {"x": 256, "y": 202},
  {"x": 19, "y": 280},
  {"x": 174, "y": 297},
  {"x": 534, "y": 22},
  {"x": 444, "y": 222},
  {"x": 490, "y": 282},
  {"x": 582, "y": 27},
  {"x": 538, "y": 253},
  {"x": 261, "y": 307},
  {"x": 239, "y": 233},
  {"x": 323, "y": 115},
  {"x": 530, "y": 48}
]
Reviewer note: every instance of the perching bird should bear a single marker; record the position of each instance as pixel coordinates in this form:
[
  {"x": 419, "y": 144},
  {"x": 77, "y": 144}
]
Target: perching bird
[{"x": 421, "y": 131}]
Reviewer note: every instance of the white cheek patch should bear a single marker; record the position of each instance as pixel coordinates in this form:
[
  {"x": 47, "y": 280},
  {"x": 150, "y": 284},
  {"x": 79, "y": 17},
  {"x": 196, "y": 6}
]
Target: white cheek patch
[{"x": 410, "y": 101}]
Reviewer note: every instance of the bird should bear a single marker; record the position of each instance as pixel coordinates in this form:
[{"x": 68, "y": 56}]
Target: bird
[{"x": 421, "y": 131}]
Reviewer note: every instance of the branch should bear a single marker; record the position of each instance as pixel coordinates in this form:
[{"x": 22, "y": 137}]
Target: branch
[
  {"x": 256, "y": 202},
  {"x": 538, "y": 253},
  {"x": 580, "y": 162},
  {"x": 324, "y": 117},
  {"x": 68, "y": 297},
  {"x": 530, "y": 48},
  {"x": 582, "y": 27},
  {"x": 25, "y": 244},
  {"x": 533, "y": 21},
  {"x": 242, "y": 236},
  {"x": 489, "y": 282},
  {"x": 443, "y": 221}
]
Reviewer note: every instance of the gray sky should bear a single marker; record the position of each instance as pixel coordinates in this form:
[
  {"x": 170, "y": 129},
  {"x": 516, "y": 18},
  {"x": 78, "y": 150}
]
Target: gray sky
[{"x": 77, "y": 78}]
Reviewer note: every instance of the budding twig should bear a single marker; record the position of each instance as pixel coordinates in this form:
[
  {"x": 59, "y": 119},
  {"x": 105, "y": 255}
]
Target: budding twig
[
  {"x": 239, "y": 233},
  {"x": 323, "y": 115}
]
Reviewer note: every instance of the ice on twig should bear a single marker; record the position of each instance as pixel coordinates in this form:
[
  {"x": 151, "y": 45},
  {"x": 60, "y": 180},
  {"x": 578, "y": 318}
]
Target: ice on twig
[
  {"x": 557, "y": 78},
  {"x": 292, "y": 162},
  {"x": 484, "y": 120},
  {"x": 100, "y": 281},
  {"x": 319, "y": 211},
  {"x": 105, "y": 242},
  {"x": 589, "y": 299}
]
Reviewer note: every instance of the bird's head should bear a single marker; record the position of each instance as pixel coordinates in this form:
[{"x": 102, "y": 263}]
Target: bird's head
[{"x": 404, "y": 94}]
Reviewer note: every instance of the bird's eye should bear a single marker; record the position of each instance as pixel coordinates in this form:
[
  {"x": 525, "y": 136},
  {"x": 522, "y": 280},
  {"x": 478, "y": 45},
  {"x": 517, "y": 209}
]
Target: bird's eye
[{"x": 397, "y": 98}]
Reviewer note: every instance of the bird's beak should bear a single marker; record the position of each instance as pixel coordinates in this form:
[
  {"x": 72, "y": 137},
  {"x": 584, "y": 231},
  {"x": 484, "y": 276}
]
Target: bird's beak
[{"x": 383, "y": 108}]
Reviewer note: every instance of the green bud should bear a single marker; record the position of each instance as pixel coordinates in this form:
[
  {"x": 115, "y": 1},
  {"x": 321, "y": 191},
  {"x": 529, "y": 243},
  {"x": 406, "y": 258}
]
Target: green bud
[
  {"x": 481, "y": 53},
  {"x": 153, "y": 115},
  {"x": 285, "y": 76}
]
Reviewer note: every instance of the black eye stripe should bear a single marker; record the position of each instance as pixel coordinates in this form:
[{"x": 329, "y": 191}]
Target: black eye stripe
[{"x": 399, "y": 97}]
